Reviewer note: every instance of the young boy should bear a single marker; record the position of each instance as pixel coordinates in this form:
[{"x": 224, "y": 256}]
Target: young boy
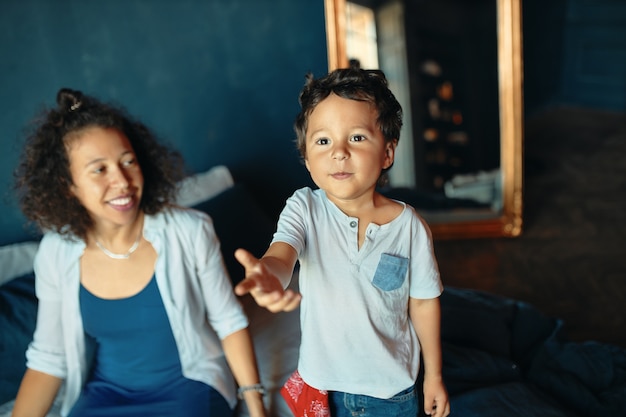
[{"x": 369, "y": 281}]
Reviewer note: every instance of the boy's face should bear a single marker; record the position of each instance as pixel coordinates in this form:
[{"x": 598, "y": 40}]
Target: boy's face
[{"x": 345, "y": 149}]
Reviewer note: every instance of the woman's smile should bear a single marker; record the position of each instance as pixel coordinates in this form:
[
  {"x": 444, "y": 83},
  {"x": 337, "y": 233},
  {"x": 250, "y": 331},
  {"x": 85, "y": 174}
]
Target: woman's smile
[{"x": 122, "y": 203}]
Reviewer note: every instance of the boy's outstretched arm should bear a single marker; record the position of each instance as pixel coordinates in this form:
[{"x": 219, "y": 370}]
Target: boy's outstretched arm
[
  {"x": 267, "y": 278},
  {"x": 426, "y": 319}
]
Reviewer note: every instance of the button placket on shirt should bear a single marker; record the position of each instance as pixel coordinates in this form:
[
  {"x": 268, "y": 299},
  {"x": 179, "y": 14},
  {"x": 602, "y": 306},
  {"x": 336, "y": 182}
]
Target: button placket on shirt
[{"x": 353, "y": 224}]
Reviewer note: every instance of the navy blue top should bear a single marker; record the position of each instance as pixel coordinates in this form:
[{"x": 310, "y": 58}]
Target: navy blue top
[
  {"x": 137, "y": 371},
  {"x": 136, "y": 347}
]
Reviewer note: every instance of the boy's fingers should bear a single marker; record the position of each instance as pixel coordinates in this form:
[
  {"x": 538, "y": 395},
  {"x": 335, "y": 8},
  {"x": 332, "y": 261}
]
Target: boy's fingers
[
  {"x": 245, "y": 286},
  {"x": 288, "y": 301},
  {"x": 294, "y": 302},
  {"x": 436, "y": 411},
  {"x": 245, "y": 258},
  {"x": 265, "y": 288},
  {"x": 429, "y": 407},
  {"x": 249, "y": 262}
]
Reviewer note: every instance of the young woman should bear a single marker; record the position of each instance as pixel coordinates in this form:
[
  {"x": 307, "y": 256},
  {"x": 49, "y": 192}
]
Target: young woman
[{"x": 137, "y": 316}]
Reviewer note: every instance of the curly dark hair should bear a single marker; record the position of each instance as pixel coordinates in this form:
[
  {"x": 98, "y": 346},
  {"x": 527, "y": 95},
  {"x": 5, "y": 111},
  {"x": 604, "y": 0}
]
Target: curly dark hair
[
  {"x": 43, "y": 179},
  {"x": 355, "y": 84}
]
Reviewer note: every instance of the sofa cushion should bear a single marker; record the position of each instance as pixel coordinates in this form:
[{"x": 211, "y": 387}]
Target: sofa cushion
[
  {"x": 18, "y": 314},
  {"x": 477, "y": 319},
  {"x": 16, "y": 260},
  {"x": 201, "y": 186},
  {"x": 465, "y": 369},
  {"x": 239, "y": 223},
  {"x": 530, "y": 329},
  {"x": 590, "y": 376},
  {"x": 514, "y": 399}
]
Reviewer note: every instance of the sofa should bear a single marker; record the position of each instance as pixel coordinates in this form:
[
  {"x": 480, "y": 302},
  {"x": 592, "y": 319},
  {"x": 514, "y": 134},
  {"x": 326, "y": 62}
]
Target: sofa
[{"x": 501, "y": 357}]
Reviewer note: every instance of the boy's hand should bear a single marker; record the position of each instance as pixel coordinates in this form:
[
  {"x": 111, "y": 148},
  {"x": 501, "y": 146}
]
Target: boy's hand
[
  {"x": 435, "y": 398},
  {"x": 265, "y": 287}
]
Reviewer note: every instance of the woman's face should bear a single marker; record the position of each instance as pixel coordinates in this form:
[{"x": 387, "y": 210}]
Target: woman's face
[{"x": 107, "y": 179}]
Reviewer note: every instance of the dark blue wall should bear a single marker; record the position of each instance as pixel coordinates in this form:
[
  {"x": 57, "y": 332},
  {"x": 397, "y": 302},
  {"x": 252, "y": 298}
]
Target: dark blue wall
[
  {"x": 543, "y": 28},
  {"x": 574, "y": 54},
  {"x": 594, "y": 69},
  {"x": 218, "y": 79}
]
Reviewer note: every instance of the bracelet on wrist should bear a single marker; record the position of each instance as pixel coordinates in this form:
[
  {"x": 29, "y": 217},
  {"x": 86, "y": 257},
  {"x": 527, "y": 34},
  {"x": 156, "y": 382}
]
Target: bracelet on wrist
[{"x": 254, "y": 387}]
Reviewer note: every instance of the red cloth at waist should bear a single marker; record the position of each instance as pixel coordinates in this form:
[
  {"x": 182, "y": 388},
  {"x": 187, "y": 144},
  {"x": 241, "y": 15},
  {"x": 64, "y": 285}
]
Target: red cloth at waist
[{"x": 303, "y": 399}]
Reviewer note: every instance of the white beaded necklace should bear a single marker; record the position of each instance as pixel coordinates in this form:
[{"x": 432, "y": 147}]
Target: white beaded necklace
[{"x": 120, "y": 255}]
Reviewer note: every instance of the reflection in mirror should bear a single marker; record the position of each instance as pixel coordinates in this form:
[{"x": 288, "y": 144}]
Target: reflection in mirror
[{"x": 455, "y": 67}]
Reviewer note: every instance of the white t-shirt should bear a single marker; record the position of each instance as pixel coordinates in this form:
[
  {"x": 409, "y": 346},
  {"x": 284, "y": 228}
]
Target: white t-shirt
[{"x": 357, "y": 335}]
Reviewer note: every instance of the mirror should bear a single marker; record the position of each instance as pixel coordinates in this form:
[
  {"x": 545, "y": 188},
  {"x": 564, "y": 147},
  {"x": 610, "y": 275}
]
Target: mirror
[{"x": 455, "y": 66}]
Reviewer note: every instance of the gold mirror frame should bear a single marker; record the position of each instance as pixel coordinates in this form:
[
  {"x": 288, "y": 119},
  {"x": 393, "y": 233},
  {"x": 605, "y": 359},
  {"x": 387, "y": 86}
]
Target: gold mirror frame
[{"x": 509, "y": 221}]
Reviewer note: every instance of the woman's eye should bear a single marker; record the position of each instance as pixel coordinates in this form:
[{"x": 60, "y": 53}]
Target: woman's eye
[
  {"x": 98, "y": 170},
  {"x": 128, "y": 162}
]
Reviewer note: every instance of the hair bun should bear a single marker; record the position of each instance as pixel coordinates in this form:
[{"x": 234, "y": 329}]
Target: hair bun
[{"x": 69, "y": 100}]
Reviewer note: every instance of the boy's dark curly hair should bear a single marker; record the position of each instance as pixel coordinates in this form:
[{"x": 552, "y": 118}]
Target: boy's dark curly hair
[
  {"x": 355, "y": 84},
  {"x": 43, "y": 179}
]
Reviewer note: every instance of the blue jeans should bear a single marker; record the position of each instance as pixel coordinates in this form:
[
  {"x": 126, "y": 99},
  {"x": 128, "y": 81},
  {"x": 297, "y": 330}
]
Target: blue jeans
[{"x": 403, "y": 404}]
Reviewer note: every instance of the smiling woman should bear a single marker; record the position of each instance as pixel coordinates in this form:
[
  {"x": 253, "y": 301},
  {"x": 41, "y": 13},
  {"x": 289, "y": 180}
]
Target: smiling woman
[
  {"x": 455, "y": 66},
  {"x": 116, "y": 262}
]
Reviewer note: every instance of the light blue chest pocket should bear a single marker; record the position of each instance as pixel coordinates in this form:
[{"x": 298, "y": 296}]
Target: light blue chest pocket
[{"x": 390, "y": 272}]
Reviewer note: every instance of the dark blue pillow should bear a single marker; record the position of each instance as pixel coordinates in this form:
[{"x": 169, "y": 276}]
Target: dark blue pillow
[
  {"x": 18, "y": 314},
  {"x": 531, "y": 328},
  {"x": 512, "y": 399},
  {"x": 239, "y": 223},
  {"x": 478, "y": 320},
  {"x": 465, "y": 369}
]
